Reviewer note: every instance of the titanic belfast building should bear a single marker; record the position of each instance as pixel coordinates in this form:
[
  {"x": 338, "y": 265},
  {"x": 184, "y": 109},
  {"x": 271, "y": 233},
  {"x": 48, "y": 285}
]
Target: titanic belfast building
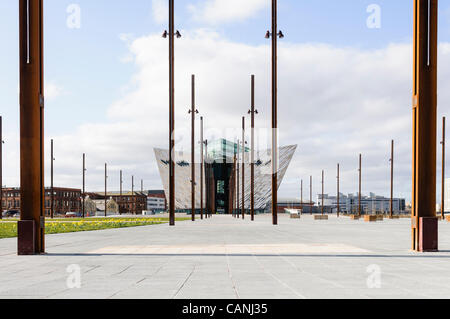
[{"x": 222, "y": 183}]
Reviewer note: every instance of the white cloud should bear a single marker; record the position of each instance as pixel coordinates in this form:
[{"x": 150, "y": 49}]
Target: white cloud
[
  {"x": 53, "y": 90},
  {"x": 160, "y": 11},
  {"x": 334, "y": 102},
  {"x": 221, "y": 11}
]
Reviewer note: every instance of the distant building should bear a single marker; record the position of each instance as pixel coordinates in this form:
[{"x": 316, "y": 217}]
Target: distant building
[
  {"x": 64, "y": 200},
  {"x": 129, "y": 202},
  {"x": 306, "y": 206},
  {"x": 372, "y": 204},
  {"x": 156, "y": 201},
  {"x": 447, "y": 195}
]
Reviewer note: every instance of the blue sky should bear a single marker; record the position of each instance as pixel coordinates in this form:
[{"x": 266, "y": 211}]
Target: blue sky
[{"x": 86, "y": 66}]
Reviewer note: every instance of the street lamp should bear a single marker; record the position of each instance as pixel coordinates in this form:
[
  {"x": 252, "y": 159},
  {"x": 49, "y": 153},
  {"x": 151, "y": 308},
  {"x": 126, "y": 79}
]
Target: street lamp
[
  {"x": 252, "y": 112},
  {"x": 275, "y": 34},
  {"x": 171, "y": 35},
  {"x": 193, "y": 111}
]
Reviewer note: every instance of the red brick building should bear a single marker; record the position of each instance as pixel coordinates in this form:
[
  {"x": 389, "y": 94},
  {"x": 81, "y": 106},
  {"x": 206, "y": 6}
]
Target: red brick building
[{"x": 65, "y": 200}]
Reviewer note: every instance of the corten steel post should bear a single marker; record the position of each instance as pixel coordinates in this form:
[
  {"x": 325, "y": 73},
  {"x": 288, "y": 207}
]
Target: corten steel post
[
  {"x": 301, "y": 196},
  {"x": 193, "y": 111},
  {"x": 274, "y": 34},
  {"x": 359, "y": 193},
  {"x": 120, "y": 191},
  {"x": 52, "y": 195},
  {"x": 84, "y": 185},
  {"x": 243, "y": 167},
  {"x": 443, "y": 171},
  {"x": 323, "y": 182},
  {"x": 338, "y": 191},
  {"x": 424, "y": 126},
  {"x": 31, "y": 225},
  {"x": 133, "y": 203},
  {"x": 310, "y": 195},
  {"x": 1, "y": 169},
  {"x": 391, "y": 203},
  {"x": 202, "y": 165},
  {"x": 171, "y": 34},
  {"x": 252, "y": 112},
  {"x": 106, "y": 193},
  {"x": 238, "y": 180}
]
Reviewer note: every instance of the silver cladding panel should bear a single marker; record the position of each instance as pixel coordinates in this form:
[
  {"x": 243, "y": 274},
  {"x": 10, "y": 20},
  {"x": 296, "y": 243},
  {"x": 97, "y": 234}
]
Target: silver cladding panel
[{"x": 263, "y": 176}]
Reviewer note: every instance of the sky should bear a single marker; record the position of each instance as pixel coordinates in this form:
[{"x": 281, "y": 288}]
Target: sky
[{"x": 344, "y": 85}]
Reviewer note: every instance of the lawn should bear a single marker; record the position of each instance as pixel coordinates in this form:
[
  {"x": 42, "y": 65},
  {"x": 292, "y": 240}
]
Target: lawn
[{"x": 8, "y": 229}]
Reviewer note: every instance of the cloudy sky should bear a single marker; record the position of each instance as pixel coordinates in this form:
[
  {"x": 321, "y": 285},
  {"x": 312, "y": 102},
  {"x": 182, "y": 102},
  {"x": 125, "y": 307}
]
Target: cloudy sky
[{"x": 344, "y": 87}]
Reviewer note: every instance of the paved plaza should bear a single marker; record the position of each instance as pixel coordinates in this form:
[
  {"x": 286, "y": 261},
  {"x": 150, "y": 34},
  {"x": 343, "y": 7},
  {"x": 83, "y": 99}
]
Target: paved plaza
[{"x": 227, "y": 258}]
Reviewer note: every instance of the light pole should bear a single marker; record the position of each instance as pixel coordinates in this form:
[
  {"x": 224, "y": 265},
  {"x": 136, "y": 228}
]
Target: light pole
[
  {"x": 243, "y": 167},
  {"x": 323, "y": 182},
  {"x": 193, "y": 111},
  {"x": 443, "y": 171},
  {"x": 310, "y": 195},
  {"x": 252, "y": 112},
  {"x": 238, "y": 179},
  {"x": 52, "y": 196},
  {"x": 84, "y": 185},
  {"x": 274, "y": 34},
  {"x": 391, "y": 203},
  {"x": 133, "y": 200},
  {"x": 202, "y": 167},
  {"x": 1, "y": 168},
  {"x": 359, "y": 193},
  {"x": 338, "y": 191},
  {"x": 301, "y": 197},
  {"x": 171, "y": 34},
  {"x": 106, "y": 193}
]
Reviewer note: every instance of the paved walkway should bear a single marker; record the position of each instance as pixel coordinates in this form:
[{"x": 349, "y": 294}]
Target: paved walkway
[{"x": 228, "y": 258}]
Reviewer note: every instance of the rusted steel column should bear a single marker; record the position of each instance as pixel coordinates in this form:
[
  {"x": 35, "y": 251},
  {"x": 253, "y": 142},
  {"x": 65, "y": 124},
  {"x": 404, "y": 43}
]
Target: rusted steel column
[
  {"x": 32, "y": 219},
  {"x": 338, "y": 191},
  {"x": 84, "y": 185},
  {"x": 106, "y": 191},
  {"x": 193, "y": 111},
  {"x": 133, "y": 203},
  {"x": 252, "y": 146},
  {"x": 391, "y": 204},
  {"x": 301, "y": 196},
  {"x": 120, "y": 191},
  {"x": 310, "y": 195},
  {"x": 274, "y": 115},
  {"x": 359, "y": 193},
  {"x": 238, "y": 179},
  {"x": 202, "y": 166},
  {"x": 424, "y": 126},
  {"x": 52, "y": 195},
  {"x": 243, "y": 167},
  {"x": 323, "y": 183},
  {"x": 443, "y": 171},
  {"x": 1, "y": 168}
]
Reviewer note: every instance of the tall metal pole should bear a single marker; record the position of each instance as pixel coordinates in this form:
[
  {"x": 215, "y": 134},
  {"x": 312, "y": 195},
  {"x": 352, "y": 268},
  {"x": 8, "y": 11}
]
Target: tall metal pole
[
  {"x": 84, "y": 185},
  {"x": 424, "y": 126},
  {"x": 202, "y": 167},
  {"x": 133, "y": 204},
  {"x": 252, "y": 146},
  {"x": 106, "y": 190},
  {"x": 193, "y": 111},
  {"x": 31, "y": 225},
  {"x": 142, "y": 185},
  {"x": 52, "y": 196},
  {"x": 243, "y": 167},
  {"x": 120, "y": 186},
  {"x": 238, "y": 179},
  {"x": 274, "y": 116},
  {"x": 323, "y": 182},
  {"x": 391, "y": 204},
  {"x": 359, "y": 193},
  {"x": 1, "y": 169},
  {"x": 443, "y": 171},
  {"x": 338, "y": 191},
  {"x": 310, "y": 195},
  {"x": 171, "y": 34},
  {"x": 301, "y": 196}
]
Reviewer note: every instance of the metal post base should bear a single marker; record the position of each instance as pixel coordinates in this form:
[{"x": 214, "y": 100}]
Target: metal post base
[
  {"x": 428, "y": 238},
  {"x": 26, "y": 238}
]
